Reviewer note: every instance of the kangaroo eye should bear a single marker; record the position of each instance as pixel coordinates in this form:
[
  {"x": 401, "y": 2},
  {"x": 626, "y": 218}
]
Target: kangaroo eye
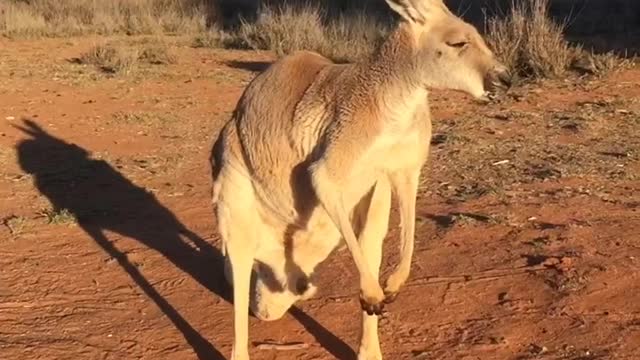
[{"x": 458, "y": 44}]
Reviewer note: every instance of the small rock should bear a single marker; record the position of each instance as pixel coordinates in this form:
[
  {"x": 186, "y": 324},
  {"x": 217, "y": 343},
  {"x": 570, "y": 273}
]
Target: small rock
[
  {"x": 10, "y": 118},
  {"x": 503, "y": 117},
  {"x": 537, "y": 349}
]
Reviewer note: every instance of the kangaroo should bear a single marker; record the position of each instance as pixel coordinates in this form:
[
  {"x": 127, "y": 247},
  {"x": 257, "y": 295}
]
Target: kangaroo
[{"x": 314, "y": 151}]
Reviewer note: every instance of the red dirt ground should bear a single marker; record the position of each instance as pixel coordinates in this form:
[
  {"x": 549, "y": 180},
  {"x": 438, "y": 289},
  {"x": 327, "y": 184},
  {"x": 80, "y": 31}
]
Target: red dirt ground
[{"x": 536, "y": 257}]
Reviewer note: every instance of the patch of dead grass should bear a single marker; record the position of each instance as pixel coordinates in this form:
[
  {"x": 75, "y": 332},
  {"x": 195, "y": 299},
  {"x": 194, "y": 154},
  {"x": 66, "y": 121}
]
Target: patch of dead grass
[
  {"x": 284, "y": 30},
  {"x": 157, "y": 53},
  {"x": 110, "y": 58},
  {"x": 214, "y": 39},
  {"x": 586, "y": 62},
  {"x": 16, "y": 224},
  {"x": 353, "y": 37},
  {"x": 144, "y": 117},
  {"x": 36, "y": 18},
  {"x": 124, "y": 59},
  {"x": 58, "y": 217},
  {"x": 526, "y": 39},
  {"x": 346, "y": 38}
]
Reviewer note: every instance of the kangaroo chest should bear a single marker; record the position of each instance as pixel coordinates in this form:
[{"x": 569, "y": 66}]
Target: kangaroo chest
[{"x": 402, "y": 147}]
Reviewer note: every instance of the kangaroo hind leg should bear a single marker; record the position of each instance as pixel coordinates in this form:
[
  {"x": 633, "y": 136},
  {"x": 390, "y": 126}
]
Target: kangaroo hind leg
[{"x": 405, "y": 186}]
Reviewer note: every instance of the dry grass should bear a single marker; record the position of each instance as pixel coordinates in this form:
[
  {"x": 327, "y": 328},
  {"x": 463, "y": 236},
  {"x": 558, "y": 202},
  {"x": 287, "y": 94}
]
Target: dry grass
[
  {"x": 111, "y": 59},
  {"x": 122, "y": 59},
  {"x": 587, "y": 62},
  {"x": 526, "y": 39},
  {"x": 144, "y": 117},
  {"x": 157, "y": 53},
  {"x": 354, "y": 37},
  {"x": 349, "y": 37},
  {"x": 213, "y": 39},
  {"x": 35, "y": 18},
  {"x": 15, "y": 224},
  {"x": 284, "y": 30},
  {"x": 530, "y": 42},
  {"x": 58, "y": 217}
]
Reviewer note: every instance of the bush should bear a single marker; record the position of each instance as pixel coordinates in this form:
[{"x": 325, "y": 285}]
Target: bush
[
  {"x": 349, "y": 37},
  {"x": 528, "y": 41}
]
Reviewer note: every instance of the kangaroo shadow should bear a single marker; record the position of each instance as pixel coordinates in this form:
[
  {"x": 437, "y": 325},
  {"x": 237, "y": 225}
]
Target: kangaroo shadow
[{"x": 102, "y": 199}]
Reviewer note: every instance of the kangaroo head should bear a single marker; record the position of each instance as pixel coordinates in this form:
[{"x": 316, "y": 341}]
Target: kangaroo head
[
  {"x": 448, "y": 52},
  {"x": 275, "y": 286}
]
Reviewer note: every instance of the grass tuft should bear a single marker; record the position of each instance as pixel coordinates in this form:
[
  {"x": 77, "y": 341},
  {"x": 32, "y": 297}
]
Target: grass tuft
[
  {"x": 111, "y": 59},
  {"x": 212, "y": 39},
  {"x": 529, "y": 41},
  {"x": 157, "y": 53},
  {"x": 15, "y": 224},
  {"x": 120, "y": 59},
  {"x": 58, "y": 217},
  {"x": 284, "y": 30}
]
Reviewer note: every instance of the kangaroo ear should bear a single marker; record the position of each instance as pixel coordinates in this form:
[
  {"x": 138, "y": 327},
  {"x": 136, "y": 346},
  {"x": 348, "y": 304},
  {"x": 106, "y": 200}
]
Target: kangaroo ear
[{"x": 415, "y": 11}]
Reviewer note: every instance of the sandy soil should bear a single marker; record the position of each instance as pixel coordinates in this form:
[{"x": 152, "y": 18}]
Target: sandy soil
[{"x": 528, "y": 243}]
